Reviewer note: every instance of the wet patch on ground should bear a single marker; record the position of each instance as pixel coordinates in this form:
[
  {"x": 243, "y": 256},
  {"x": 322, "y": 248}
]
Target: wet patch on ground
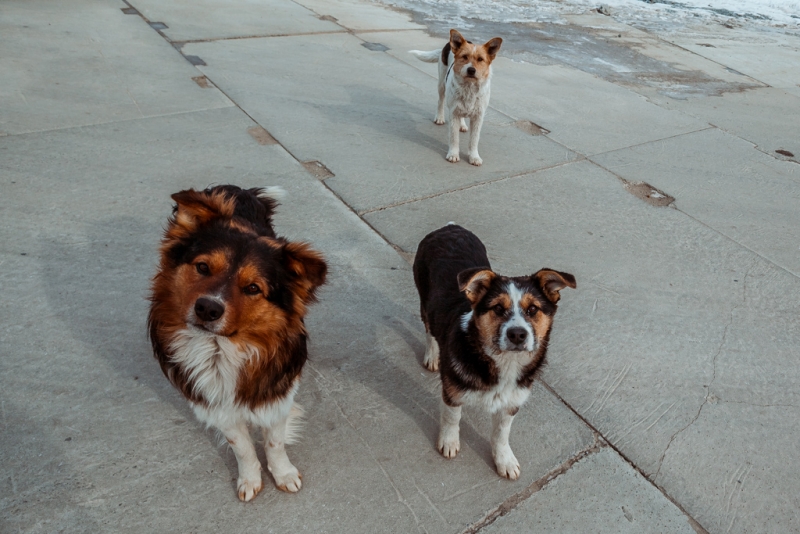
[{"x": 591, "y": 50}]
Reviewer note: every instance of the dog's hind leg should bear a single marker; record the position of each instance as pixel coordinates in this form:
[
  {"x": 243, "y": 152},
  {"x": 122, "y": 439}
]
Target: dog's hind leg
[
  {"x": 463, "y": 125},
  {"x": 504, "y": 459},
  {"x": 287, "y": 477},
  {"x": 440, "y": 110},
  {"x": 249, "y": 482}
]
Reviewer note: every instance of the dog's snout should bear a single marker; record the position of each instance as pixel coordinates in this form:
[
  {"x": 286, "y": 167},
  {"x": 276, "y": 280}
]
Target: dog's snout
[
  {"x": 517, "y": 335},
  {"x": 471, "y": 71},
  {"x": 208, "y": 310}
]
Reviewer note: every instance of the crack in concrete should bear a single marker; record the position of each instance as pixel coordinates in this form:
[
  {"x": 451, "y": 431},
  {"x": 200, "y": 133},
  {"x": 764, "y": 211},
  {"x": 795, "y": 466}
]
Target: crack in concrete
[
  {"x": 708, "y": 394},
  {"x": 466, "y": 187},
  {"x": 515, "y": 500}
]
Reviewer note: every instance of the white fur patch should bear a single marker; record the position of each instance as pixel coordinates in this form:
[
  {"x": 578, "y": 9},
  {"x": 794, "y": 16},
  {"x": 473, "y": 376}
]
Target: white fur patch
[
  {"x": 517, "y": 320},
  {"x": 506, "y": 393},
  {"x": 213, "y": 363},
  {"x": 465, "y": 319}
]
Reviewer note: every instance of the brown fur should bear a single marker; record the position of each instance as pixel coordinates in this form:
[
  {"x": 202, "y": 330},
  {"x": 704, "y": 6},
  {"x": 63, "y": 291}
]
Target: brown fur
[
  {"x": 252, "y": 319},
  {"x": 481, "y": 56}
]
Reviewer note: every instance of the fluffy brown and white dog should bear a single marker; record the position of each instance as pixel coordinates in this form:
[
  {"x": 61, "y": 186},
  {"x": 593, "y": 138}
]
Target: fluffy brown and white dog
[
  {"x": 465, "y": 72},
  {"x": 226, "y": 321},
  {"x": 487, "y": 334}
]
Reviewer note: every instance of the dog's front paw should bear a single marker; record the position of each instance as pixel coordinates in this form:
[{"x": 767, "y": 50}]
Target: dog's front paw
[
  {"x": 439, "y": 120},
  {"x": 449, "y": 444},
  {"x": 452, "y": 157},
  {"x": 476, "y": 160},
  {"x": 507, "y": 464},
  {"x": 290, "y": 481},
  {"x": 248, "y": 488},
  {"x": 431, "y": 363}
]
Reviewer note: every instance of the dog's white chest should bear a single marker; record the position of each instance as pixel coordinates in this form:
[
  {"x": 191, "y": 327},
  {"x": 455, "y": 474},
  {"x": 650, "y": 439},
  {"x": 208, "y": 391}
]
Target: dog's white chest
[
  {"x": 467, "y": 100},
  {"x": 212, "y": 363},
  {"x": 506, "y": 393}
]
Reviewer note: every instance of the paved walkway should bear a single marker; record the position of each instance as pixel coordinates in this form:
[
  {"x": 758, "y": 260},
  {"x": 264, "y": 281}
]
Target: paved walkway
[{"x": 672, "y": 396}]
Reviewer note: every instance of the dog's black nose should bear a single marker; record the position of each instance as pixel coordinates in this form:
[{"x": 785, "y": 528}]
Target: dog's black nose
[
  {"x": 517, "y": 335},
  {"x": 208, "y": 310},
  {"x": 471, "y": 71}
]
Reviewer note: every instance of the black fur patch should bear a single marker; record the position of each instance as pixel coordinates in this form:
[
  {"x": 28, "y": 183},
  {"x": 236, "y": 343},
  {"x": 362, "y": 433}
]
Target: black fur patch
[{"x": 446, "y": 54}]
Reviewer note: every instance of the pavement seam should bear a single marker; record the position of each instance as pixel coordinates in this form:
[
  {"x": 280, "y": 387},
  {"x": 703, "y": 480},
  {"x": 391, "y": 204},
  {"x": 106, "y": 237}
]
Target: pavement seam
[
  {"x": 676, "y": 45},
  {"x": 692, "y": 521},
  {"x": 708, "y": 127},
  {"x": 518, "y": 498},
  {"x": 674, "y": 206},
  {"x": 466, "y": 187},
  {"x": 182, "y": 42}
]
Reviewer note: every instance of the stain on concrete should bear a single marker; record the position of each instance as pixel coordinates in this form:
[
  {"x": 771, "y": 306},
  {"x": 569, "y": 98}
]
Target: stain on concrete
[
  {"x": 375, "y": 47},
  {"x": 649, "y": 194},
  {"x": 530, "y": 127},
  {"x": 203, "y": 82},
  {"x": 195, "y": 60},
  {"x": 318, "y": 169},
  {"x": 262, "y": 136}
]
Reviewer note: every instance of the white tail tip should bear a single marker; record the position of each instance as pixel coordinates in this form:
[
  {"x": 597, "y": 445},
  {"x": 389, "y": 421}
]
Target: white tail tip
[
  {"x": 294, "y": 424},
  {"x": 275, "y": 192}
]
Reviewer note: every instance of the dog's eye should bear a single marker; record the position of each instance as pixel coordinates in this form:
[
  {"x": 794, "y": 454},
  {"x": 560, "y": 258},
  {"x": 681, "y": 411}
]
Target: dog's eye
[
  {"x": 464, "y": 56},
  {"x": 252, "y": 289},
  {"x": 531, "y": 311},
  {"x": 500, "y": 310},
  {"x": 480, "y": 59},
  {"x": 203, "y": 268}
]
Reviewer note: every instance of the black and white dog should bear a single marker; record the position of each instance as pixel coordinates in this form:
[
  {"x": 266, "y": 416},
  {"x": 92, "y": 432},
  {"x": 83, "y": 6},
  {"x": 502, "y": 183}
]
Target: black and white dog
[{"x": 487, "y": 334}]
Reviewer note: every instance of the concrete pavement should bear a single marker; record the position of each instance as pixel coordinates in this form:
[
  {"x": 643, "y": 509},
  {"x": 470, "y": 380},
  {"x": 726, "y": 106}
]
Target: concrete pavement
[{"x": 671, "y": 399}]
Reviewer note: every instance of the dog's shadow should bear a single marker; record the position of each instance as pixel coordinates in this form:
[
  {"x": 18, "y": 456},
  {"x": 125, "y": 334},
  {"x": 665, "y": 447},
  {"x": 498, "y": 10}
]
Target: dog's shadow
[
  {"x": 97, "y": 284},
  {"x": 389, "y": 364},
  {"x": 389, "y": 115}
]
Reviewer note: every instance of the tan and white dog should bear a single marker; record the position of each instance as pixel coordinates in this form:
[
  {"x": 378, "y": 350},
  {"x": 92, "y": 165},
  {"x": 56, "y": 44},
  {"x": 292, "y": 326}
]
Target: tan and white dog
[{"x": 465, "y": 72}]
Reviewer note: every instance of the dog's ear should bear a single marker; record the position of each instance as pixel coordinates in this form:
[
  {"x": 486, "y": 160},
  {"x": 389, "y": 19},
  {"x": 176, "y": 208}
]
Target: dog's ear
[
  {"x": 475, "y": 282},
  {"x": 307, "y": 267},
  {"x": 552, "y": 282},
  {"x": 456, "y": 40},
  {"x": 194, "y": 208},
  {"x": 492, "y": 46}
]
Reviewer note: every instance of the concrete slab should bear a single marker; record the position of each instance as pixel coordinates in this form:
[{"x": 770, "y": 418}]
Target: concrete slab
[
  {"x": 189, "y": 20},
  {"x": 722, "y": 498},
  {"x": 766, "y": 117},
  {"x": 385, "y": 149},
  {"x": 600, "y": 493},
  {"x": 745, "y": 51},
  {"x": 64, "y": 65},
  {"x": 105, "y": 436},
  {"x": 658, "y": 319},
  {"x": 727, "y": 184},
  {"x": 361, "y": 15}
]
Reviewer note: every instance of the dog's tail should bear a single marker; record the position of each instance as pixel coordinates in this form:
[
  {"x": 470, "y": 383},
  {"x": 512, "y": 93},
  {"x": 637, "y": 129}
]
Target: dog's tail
[
  {"x": 428, "y": 57},
  {"x": 294, "y": 424}
]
